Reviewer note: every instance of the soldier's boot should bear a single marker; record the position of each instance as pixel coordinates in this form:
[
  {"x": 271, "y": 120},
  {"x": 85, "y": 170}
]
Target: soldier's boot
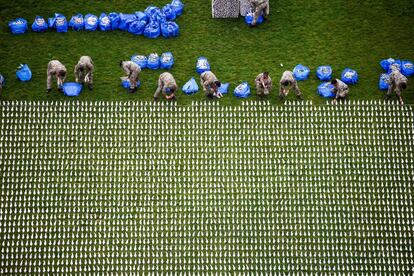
[
  {"x": 48, "y": 90},
  {"x": 90, "y": 86},
  {"x": 300, "y": 97}
]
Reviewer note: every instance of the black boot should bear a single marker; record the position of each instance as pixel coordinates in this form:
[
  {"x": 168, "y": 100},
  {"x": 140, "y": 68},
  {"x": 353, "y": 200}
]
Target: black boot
[{"x": 90, "y": 86}]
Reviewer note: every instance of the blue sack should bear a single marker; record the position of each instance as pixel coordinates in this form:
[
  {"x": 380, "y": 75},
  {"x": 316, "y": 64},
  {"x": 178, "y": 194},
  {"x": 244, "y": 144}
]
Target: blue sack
[
  {"x": 91, "y": 22},
  {"x": 249, "y": 19},
  {"x": 140, "y": 60},
  {"x": 23, "y": 73},
  {"x": 326, "y": 90},
  {"x": 167, "y": 60},
  {"x": 115, "y": 20},
  {"x": 324, "y": 72},
  {"x": 202, "y": 65},
  {"x": 178, "y": 7},
  {"x": 152, "y": 30},
  {"x": 242, "y": 90},
  {"x": 126, "y": 84},
  {"x": 349, "y": 76},
  {"x": 190, "y": 87},
  {"x": 137, "y": 27},
  {"x": 141, "y": 16},
  {"x": 72, "y": 89},
  {"x": 407, "y": 68},
  {"x": 104, "y": 22},
  {"x": 18, "y": 26},
  {"x": 301, "y": 72},
  {"x": 155, "y": 14},
  {"x": 384, "y": 81},
  {"x": 386, "y": 63},
  {"x": 125, "y": 20},
  {"x": 76, "y": 22},
  {"x": 224, "y": 88},
  {"x": 59, "y": 22},
  {"x": 39, "y": 24},
  {"x": 170, "y": 29},
  {"x": 2, "y": 81},
  {"x": 169, "y": 12},
  {"x": 153, "y": 61}
]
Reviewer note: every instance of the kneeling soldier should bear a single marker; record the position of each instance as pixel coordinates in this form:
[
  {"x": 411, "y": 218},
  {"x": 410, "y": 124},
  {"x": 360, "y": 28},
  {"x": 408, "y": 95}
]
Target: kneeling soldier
[
  {"x": 286, "y": 83},
  {"x": 397, "y": 83},
  {"x": 132, "y": 70},
  {"x": 210, "y": 84},
  {"x": 340, "y": 90},
  {"x": 263, "y": 84},
  {"x": 57, "y": 69}
]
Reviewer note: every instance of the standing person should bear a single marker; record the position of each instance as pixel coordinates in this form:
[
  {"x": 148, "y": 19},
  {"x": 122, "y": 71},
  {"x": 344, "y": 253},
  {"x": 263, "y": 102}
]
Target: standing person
[
  {"x": 397, "y": 83},
  {"x": 340, "y": 90},
  {"x": 259, "y": 7},
  {"x": 167, "y": 85},
  {"x": 57, "y": 69},
  {"x": 210, "y": 84},
  {"x": 84, "y": 71},
  {"x": 2, "y": 83},
  {"x": 263, "y": 84},
  {"x": 286, "y": 83},
  {"x": 132, "y": 70}
]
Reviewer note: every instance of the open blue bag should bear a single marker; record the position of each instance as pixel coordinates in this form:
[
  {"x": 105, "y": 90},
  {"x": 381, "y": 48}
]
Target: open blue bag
[
  {"x": 115, "y": 20},
  {"x": 169, "y": 12},
  {"x": 104, "y": 22},
  {"x": 301, "y": 72},
  {"x": 326, "y": 90},
  {"x": 125, "y": 20},
  {"x": 242, "y": 90},
  {"x": 126, "y": 84},
  {"x": 178, "y": 7},
  {"x": 324, "y": 72},
  {"x": 77, "y": 22},
  {"x": 91, "y": 22},
  {"x": 349, "y": 76},
  {"x": 167, "y": 60},
  {"x": 386, "y": 63},
  {"x": 18, "y": 26},
  {"x": 155, "y": 14},
  {"x": 152, "y": 30},
  {"x": 153, "y": 61},
  {"x": 140, "y": 60},
  {"x": 202, "y": 65},
  {"x": 190, "y": 87},
  {"x": 384, "y": 81},
  {"x": 39, "y": 24},
  {"x": 24, "y": 73},
  {"x": 250, "y": 16},
  {"x": 137, "y": 27},
  {"x": 59, "y": 23},
  {"x": 72, "y": 89},
  {"x": 170, "y": 29},
  {"x": 224, "y": 88},
  {"x": 407, "y": 68}
]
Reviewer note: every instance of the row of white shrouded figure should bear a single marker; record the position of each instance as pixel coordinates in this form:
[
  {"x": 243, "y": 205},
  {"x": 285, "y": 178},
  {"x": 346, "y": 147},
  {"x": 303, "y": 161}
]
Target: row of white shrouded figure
[{"x": 112, "y": 187}]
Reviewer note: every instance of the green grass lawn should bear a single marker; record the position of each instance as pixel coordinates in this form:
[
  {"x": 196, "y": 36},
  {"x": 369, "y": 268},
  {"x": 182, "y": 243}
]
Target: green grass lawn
[{"x": 355, "y": 34}]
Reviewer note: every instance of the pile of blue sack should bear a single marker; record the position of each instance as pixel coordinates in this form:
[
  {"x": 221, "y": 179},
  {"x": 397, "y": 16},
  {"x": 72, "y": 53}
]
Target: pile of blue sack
[
  {"x": 152, "y": 23},
  {"x": 406, "y": 68},
  {"x": 154, "y": 61}
]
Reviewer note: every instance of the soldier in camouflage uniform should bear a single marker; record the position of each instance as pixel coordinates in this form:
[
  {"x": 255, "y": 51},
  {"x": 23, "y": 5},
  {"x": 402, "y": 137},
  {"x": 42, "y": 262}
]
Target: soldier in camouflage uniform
[
  {"x": 340, "y": 90},
  {"x": 263, "y": 84},
  {"x": 398, "y": 82},
  {"x": 286, "y": 83},
  {"x": 2, "y": 82},
  {"x": 57, "y": 69},
  {"x": 210, "y": 84},
  {"x": 259, "y": 7},
  {"x": 132, "y": 70},
  {"x": 84, "y": 71},
  {"x": 166, "y": 85}
]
